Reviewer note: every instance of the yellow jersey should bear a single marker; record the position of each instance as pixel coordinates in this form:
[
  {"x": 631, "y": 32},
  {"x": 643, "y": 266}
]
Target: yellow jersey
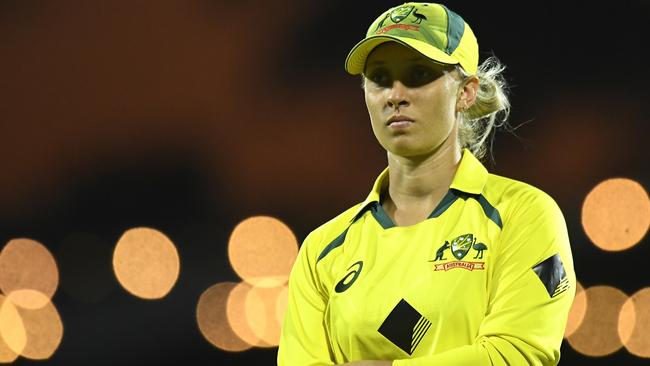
[{"x": 486, "y": 279}]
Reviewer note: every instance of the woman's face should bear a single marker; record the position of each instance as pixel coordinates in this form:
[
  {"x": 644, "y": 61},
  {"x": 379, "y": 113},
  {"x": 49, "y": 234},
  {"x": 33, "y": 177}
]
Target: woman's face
[{"x": 411, "y": 100}]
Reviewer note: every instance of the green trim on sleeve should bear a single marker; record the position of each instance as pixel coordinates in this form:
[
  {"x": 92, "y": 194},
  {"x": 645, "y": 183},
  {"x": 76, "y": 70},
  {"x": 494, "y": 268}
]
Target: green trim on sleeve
[{"x": 331, "y": 246}]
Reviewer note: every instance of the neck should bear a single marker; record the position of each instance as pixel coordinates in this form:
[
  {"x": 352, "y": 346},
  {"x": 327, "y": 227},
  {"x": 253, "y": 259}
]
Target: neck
[{"x": 417, "y": 185}]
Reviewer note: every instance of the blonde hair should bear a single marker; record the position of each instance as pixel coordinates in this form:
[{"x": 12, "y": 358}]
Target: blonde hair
[{"x": 490, "y": 110}]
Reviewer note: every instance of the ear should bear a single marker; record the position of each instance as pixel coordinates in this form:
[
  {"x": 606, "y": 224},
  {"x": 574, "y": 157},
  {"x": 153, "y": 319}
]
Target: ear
[{"x": 467, "y": 93}]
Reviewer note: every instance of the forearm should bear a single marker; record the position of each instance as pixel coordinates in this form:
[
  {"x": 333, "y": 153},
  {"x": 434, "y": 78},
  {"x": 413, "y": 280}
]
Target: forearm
[
  {"x": 460, "y": 356},
  {"x": 490, "y": 351},
  {"x": 473, "y": 355}
]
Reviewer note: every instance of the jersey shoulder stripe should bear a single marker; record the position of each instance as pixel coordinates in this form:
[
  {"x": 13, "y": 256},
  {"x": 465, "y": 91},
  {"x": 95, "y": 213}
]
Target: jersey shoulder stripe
[
  {"x": 334, "y": 244},
  {"x": 332, "y": 233}
]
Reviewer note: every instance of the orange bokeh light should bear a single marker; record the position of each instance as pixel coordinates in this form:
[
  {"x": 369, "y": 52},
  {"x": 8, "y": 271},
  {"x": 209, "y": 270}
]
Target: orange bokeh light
[
  {"x": 616, "y": 214},
  {"x": 634, "y": 323},
  {"x": 146, "y": 263},
  {"x": 12, "y": 331},
  {"x": 598, "y": 333},
  {"x": 262, "y": 251},
  {"x": 253, "y": 313},
  {"x": 239, "y": 306},
  {"x": 212, "y": 319},
  {"x": 578, "y": 311},
  {"x": 261, "y": 314},
  {"x": 44, "y": 331},
  {"x": 281, "y": 305},
  {"x": 26, "y": 264}
]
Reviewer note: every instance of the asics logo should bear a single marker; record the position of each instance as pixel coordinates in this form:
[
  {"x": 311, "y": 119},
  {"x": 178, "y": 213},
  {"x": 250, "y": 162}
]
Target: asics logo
[{"x": 349, "y": 278}]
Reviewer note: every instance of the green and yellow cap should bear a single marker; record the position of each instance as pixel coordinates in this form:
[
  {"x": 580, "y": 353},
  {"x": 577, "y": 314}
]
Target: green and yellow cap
[{"x": 431, "y": 29}]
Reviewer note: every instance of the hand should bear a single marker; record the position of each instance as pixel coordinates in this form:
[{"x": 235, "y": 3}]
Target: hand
[{"x": 368, "y": 363}]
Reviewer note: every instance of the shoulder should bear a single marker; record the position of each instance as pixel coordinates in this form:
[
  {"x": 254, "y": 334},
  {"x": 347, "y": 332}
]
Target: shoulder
[
  {"x": 517, "y": 200},
  {"x": 327, "y": 233},
  {"x": 534, "y": 228}
]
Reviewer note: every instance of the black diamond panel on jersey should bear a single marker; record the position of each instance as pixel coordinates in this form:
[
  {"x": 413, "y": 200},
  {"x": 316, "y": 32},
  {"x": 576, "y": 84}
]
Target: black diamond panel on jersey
[{"x": 405, "y": 327}]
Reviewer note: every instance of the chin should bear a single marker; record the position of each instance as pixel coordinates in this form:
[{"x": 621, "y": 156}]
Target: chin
[{"x": 406, "y": 150}]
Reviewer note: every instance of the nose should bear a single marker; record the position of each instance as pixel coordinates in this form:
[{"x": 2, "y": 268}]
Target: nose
[{"x": 397, "y": 95}]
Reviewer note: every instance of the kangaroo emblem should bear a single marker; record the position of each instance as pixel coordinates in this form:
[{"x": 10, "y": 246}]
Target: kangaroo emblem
[{"x": 441, "y": 251}]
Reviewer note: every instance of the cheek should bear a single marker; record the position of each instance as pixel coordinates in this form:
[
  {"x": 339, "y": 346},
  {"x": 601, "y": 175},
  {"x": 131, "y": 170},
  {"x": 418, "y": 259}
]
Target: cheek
[
  {"x": 441, "y": 106},
  {"x": 445, "y": 111},
  {"x": 374, "y": 106},
  {"x": 451, "y": 97}
]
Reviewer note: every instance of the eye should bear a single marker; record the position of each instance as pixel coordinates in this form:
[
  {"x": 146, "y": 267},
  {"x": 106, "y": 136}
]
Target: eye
[
  {"x": 380, "y": 77},
  {"x": 419, "y": 75}
]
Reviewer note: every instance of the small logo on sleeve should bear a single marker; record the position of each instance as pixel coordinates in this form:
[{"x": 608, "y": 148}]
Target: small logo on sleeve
[
  {"x": 459, "y": 248},
  {"x": 553, "y": 276},
  {"x": 349, "y": 278}
]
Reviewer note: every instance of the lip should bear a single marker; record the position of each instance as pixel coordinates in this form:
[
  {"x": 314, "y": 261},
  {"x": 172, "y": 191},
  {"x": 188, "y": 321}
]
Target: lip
[{"x": 399, "y": 121}]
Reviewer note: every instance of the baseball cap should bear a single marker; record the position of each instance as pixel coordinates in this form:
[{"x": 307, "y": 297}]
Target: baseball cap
[{"x": 430, "y": 29}]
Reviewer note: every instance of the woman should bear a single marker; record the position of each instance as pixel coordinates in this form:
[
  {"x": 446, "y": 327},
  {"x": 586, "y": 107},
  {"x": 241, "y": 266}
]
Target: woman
[{"x": 443, "y": 263}]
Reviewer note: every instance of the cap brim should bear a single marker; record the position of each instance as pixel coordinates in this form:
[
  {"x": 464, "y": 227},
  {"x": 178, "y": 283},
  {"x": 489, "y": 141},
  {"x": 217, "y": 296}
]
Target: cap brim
[{"x": 356, "y": 61}]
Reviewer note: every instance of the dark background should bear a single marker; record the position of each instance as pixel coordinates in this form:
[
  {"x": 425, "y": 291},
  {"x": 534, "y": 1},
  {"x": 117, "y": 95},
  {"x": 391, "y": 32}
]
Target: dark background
[{"x": 189, "y": 116}]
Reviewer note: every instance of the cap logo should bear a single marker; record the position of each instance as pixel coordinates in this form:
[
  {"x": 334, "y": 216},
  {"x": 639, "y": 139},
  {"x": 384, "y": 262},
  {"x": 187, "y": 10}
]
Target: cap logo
[
  {"x": 399, "y": 14},
  {"x": 407, "y": 27},
  {"x": 435, "y": 28}
]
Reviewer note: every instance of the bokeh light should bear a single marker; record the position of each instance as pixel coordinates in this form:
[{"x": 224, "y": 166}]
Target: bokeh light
[
  {"x": 616, "y": 214},
  {"x": 262, "y": 251},
  {"x": 281, "y": 305},
  {"x": 598, "y": 333},
  {"x": 634, "y": 323},
  {"x": 255, "y": 313},
  {"x": 238, "y": 307},
  {"x": 146, "y": 263},
  {"x": 578, "y": 311},
  {"x": 6, "y": 354},
  {"x": 12, "y": 331},
  {"x": 627, "y": 321},
  {"x": 261, "y": 314},
  {"x": 26, "y": 264},
  {"x": 211, "y": 316},
  {"x": 43, "y": 328}
]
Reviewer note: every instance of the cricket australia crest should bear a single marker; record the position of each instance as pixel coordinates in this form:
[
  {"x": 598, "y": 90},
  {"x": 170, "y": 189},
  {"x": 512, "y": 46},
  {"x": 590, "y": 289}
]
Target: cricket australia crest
[{"x": 459, "y": 247}]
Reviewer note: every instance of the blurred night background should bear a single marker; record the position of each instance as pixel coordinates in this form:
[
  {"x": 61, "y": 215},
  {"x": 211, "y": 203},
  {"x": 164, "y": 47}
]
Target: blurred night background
[{"x": 190, "y": 116}]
